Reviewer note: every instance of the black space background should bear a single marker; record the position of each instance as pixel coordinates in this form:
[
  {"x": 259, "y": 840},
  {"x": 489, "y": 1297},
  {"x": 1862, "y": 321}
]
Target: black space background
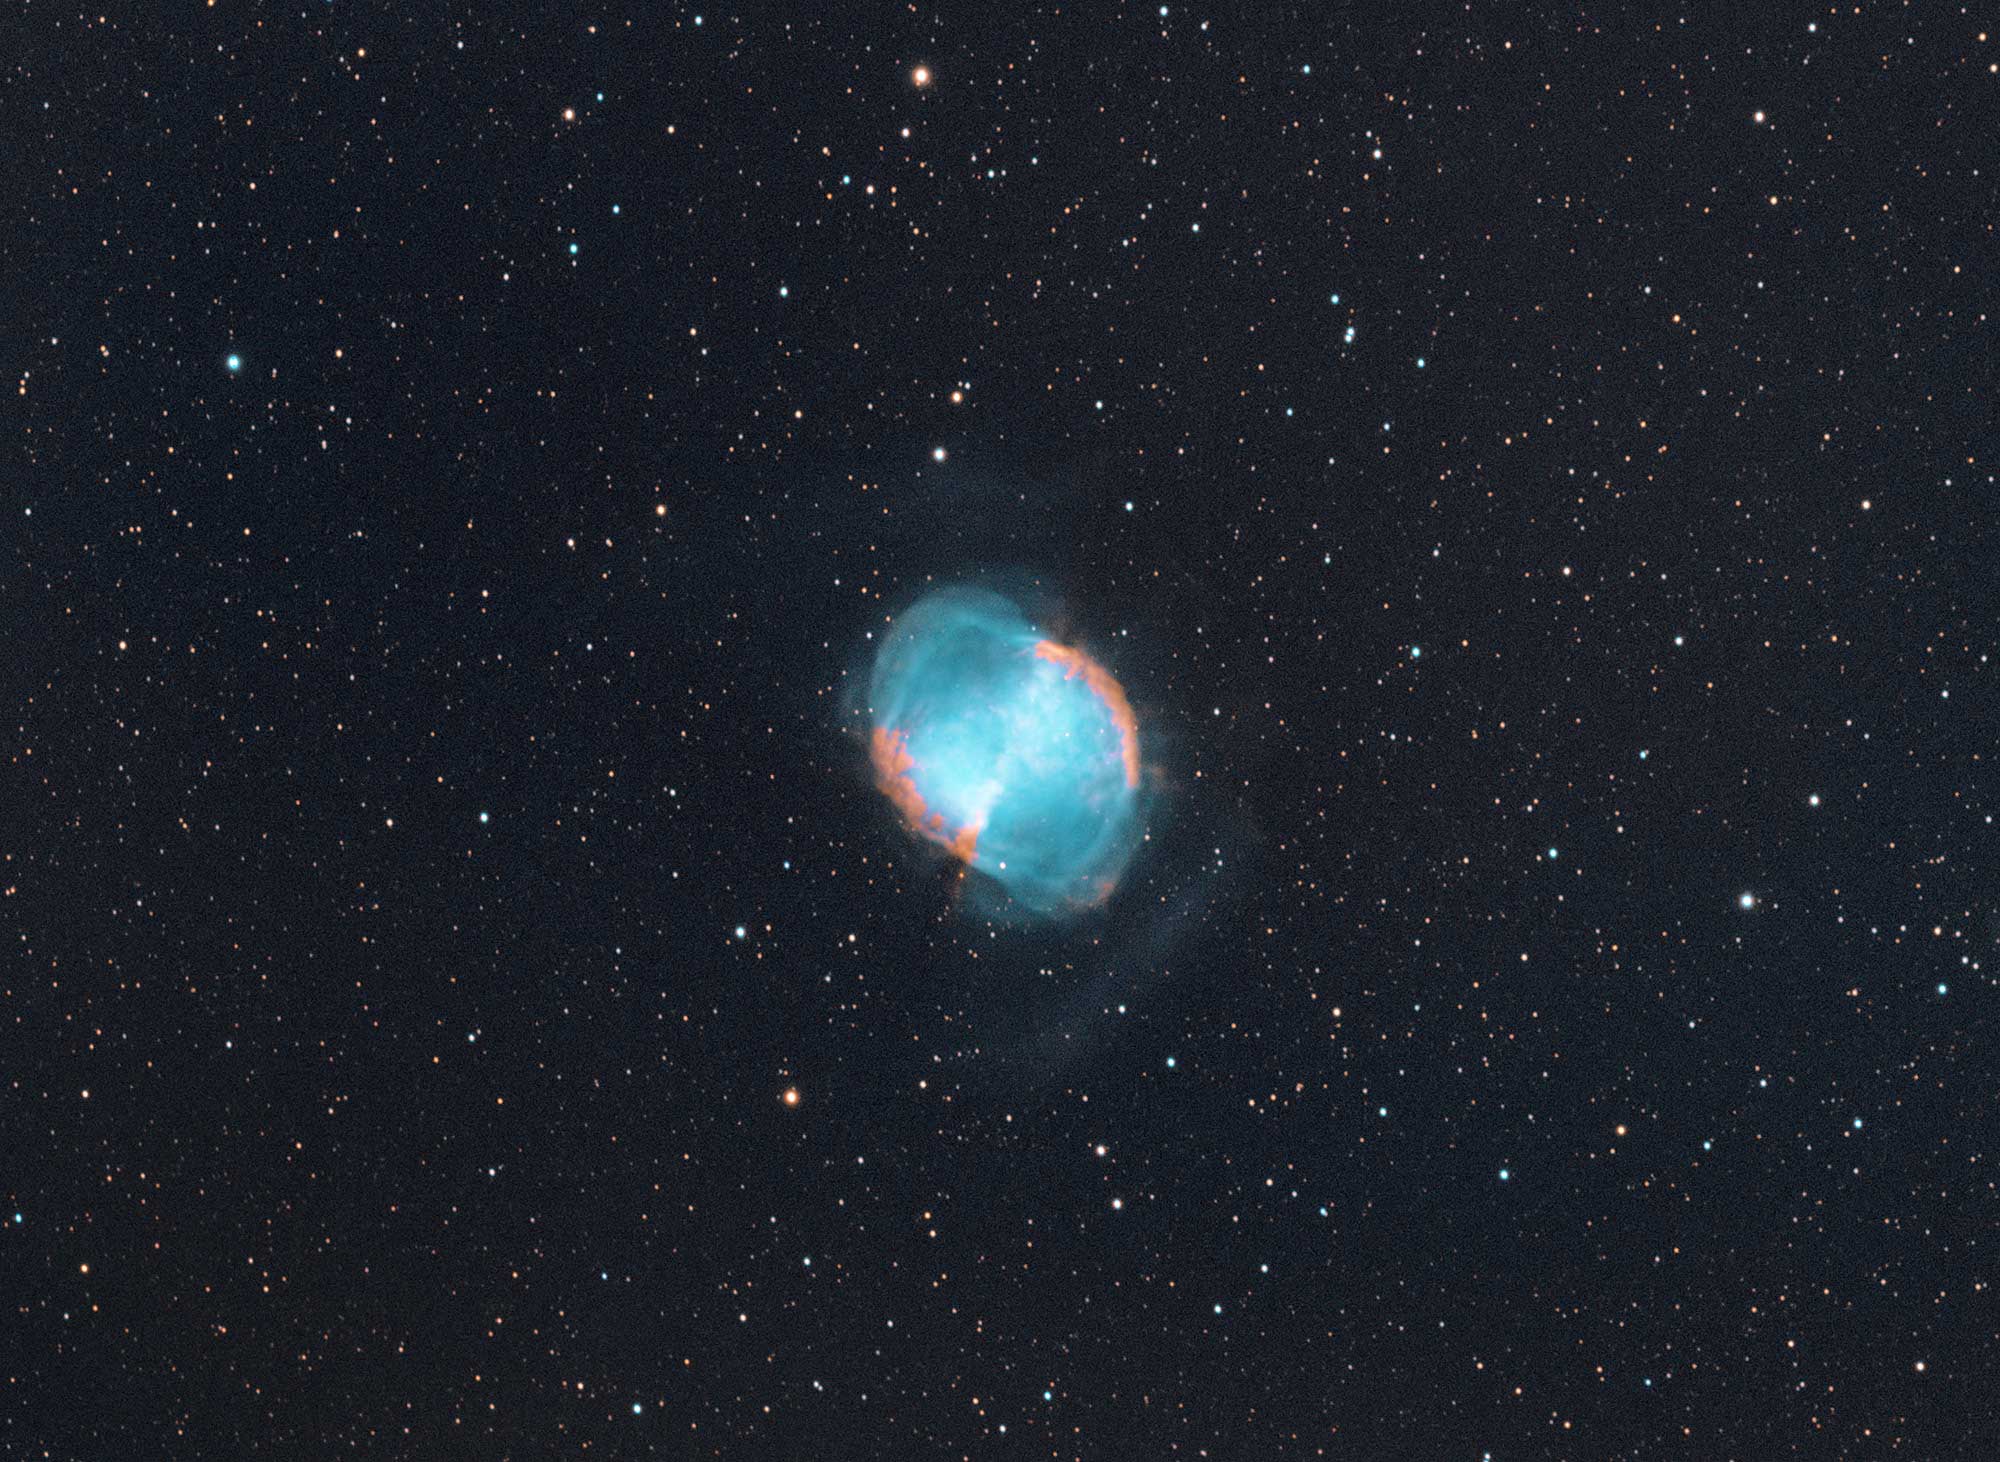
[{"x": 338, "y": 1122}]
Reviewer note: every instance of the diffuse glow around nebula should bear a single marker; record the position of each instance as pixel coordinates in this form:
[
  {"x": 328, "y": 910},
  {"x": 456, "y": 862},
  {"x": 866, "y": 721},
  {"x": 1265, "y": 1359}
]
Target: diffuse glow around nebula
[{"x": 1017, "y": 755}]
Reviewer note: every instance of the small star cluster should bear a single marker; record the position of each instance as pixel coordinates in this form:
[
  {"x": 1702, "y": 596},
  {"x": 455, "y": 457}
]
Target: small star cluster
[{"x": 1531, "y": 474}]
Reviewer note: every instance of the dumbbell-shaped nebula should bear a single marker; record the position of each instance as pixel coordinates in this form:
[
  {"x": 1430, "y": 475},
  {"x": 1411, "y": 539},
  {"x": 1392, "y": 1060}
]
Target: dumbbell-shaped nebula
[{"x": 1017, "y": 755}]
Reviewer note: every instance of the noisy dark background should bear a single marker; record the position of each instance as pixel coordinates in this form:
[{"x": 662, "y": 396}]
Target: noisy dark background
[{"x": 1533, "y": 475}]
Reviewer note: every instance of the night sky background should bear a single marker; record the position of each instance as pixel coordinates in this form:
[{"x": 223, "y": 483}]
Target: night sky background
[{"x": 1532, "y": 474}]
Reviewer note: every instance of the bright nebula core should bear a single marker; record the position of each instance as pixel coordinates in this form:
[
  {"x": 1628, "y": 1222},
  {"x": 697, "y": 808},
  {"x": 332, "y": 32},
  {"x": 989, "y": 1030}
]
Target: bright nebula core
[{"x": 1018, "y": 755}]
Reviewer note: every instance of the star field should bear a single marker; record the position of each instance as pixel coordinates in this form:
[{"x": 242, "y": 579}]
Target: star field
[{"x": 1532, "y": 475}]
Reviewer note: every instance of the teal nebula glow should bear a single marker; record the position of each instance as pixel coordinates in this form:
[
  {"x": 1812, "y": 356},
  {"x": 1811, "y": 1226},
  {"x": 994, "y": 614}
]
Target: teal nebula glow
[{"x": 1019, "y": 755}]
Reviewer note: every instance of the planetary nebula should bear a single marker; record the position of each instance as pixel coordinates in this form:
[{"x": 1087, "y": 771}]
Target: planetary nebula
[{"x": 1018, "y": 755}]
